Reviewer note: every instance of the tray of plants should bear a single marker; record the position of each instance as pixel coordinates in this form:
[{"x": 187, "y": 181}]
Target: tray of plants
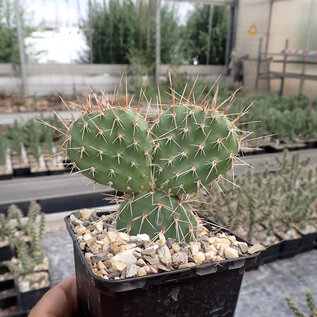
[
  {"x": 24, "y": 278},
  {"x": 155, "y": 256}
]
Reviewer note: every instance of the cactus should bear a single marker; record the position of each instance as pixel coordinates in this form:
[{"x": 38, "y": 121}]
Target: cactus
[
  {"x": 3, "y": 227},
  {"x": 16, "y": 213},
  {"x": 3, "y": 149},
  {"x": 310, "y": 303},
  {"x": 27, "y": 241},
  {"x": 157, "y": 161},
  {"x": 153, "y": 212}
]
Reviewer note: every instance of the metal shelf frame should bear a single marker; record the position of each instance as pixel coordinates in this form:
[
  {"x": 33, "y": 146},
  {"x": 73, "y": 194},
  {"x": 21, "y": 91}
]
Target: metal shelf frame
[{"x": 286, "y": 54}]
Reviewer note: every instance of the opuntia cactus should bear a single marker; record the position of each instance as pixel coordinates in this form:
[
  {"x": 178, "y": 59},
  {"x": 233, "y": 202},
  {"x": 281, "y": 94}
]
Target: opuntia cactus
[{"x": 157, "y": 161}]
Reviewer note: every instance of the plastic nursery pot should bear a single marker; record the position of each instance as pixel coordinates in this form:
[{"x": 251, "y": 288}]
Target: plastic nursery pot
[
  {"x": 270, "y": 254},
  {"x": 290, "y": 248},
  {"x": 204, "y": 290},
  {"x": 21, "y": 172},
  {"x": 308, "y": 241},
  {"x": 5, "y": 253},
  {"x": 254, "y": 265},
  {"x": 27, "y": 300},
  {"x": 8, "y": 294}
]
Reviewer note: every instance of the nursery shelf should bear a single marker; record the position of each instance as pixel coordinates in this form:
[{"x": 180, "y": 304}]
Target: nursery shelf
[
  {"x": 69, "y": 192},
  {"x": 54, "y": 193}
]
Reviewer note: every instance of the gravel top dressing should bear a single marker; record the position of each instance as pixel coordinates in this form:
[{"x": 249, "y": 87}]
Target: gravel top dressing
[{"x": 112, "y": 254}]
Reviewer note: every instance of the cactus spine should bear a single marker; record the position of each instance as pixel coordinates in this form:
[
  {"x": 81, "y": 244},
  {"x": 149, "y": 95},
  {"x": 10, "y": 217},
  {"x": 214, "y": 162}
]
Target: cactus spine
[{"x": 156, "y": 161}]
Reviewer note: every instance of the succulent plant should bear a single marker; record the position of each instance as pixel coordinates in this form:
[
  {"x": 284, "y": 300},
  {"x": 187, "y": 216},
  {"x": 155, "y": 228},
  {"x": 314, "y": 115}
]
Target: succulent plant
[
  {"x": 27, "y": 241},
  {"x": 276, "y": 200},
  {"x": 310, "y": 303},
  {"x": 3, "y": 149},
  {"x": 157, "y": 160}
]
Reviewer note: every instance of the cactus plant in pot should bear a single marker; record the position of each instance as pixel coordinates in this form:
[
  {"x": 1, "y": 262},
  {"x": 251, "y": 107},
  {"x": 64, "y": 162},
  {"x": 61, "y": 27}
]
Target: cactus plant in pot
[{"x": 155, "y": 255}]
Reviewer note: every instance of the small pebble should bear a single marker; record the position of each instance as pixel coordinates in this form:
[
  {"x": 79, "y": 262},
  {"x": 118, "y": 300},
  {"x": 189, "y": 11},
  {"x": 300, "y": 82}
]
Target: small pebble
[
  {"x": 243, "y": 247},
  {"x": 231, "y": 253},
  {"x": 144, "y": 237},
  {"x": 132, "y": 270},
  {"x": 256, "y": 248},
  {"x": 199, "y": 258},
  {"x": 179, "y": 258}
]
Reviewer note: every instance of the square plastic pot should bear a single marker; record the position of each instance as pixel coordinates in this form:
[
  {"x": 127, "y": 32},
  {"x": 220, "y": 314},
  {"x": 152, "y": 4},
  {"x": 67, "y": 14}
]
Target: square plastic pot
[
  {"x": 27, "y": 300},
  {"x": 5, "y": 253},
  {"x": 308, "y": 241},
  {"x": 290, "y": 248},
  {"x": 271, "y": 253},
  {"x": 8, "y": 294},
  {"x": 204, "y": 290}
]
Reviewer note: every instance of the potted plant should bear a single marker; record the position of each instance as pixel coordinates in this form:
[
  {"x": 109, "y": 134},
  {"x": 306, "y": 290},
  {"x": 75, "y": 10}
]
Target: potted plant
[
  {"x": 155, "y": 255},
  {"x": 31, "y": 264},
  {"x": 32, "y": 140},
  {"x": 19, "y": 158},
  {"x": 5, "y": 248},
  {"x": 8, "y": 294},
  {"x": 5, "y": 161}
]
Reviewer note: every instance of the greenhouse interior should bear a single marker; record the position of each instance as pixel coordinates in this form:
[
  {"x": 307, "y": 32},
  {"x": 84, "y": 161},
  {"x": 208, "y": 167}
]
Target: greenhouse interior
[{"x": 158, "y": 158}]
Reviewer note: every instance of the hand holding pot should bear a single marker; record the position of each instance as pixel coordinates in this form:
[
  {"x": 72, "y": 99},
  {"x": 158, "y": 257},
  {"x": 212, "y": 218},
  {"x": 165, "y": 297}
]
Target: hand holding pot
[{"x": 60, "y": 301}]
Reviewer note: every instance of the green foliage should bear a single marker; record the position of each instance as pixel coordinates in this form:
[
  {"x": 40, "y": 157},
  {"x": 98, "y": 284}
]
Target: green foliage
[
  {"x": 32, "y": 135},
  {"x": 196, "y": 35},
  {"x": 123, "y": 27},
  {"x": 310, "y": 303},
  {"x": 16, "y": 213},
  {"x": 3, "y": 226},
  {"x": 9, "y": 48},
  {"x": 123, "y": 31},
  {"x": 27, "y": 238},
  {"x": 288, "y": 119},
  {"x": 15, "y": 135},
  {"x": 3, "y": 149}
]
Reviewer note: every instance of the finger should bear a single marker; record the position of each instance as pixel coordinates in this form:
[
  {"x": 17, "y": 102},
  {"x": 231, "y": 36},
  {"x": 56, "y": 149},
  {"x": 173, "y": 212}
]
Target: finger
[{"x": 60, "y": 301}]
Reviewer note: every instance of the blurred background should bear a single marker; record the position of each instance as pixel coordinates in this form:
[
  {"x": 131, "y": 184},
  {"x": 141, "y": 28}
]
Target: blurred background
[
  {"x": 53, "y": 49},
  {"x": 267, "y": 46}
]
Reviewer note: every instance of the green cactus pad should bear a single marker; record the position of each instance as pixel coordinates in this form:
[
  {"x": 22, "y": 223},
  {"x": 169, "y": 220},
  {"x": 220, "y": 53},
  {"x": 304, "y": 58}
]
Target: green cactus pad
[
  {"x": 193, "y": 146},
  {"x": 155, "y": 212},
  {"x": 112, "y": 148}
]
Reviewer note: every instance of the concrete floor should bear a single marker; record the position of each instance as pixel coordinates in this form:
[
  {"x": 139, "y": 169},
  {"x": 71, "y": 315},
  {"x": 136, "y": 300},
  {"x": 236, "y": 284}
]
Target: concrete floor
[{"x": 262, "y": 292}]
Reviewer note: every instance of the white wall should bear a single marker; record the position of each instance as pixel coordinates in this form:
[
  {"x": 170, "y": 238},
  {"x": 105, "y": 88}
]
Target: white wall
[{"x": 289, "y": 20}]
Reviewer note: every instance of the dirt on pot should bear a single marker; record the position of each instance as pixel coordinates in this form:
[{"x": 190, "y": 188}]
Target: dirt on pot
[{"x": 113, "y": 255}]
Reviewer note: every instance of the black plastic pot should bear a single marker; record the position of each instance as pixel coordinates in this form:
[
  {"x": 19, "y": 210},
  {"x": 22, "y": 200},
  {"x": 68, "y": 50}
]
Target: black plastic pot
[
  {"x": 21, "y": 172},
  {"x": 308, "y": 241},
  {"x": 5, "y": 176},
  {"x": 290, "y": 248},
  {"x": 204, "y": 290},
  {"x": 255, "y": 264},
  {"x": 27, "y": 300},
  {"x": 270, "y": 254},
  {"x": 5, "y": 253},
  {"x": 7, "y": 283},
  {"x": 8, "y": 294}
]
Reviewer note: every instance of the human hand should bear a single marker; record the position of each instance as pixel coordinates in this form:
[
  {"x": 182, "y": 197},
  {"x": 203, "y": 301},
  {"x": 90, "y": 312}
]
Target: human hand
[{"x": 60, "y": 301}]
